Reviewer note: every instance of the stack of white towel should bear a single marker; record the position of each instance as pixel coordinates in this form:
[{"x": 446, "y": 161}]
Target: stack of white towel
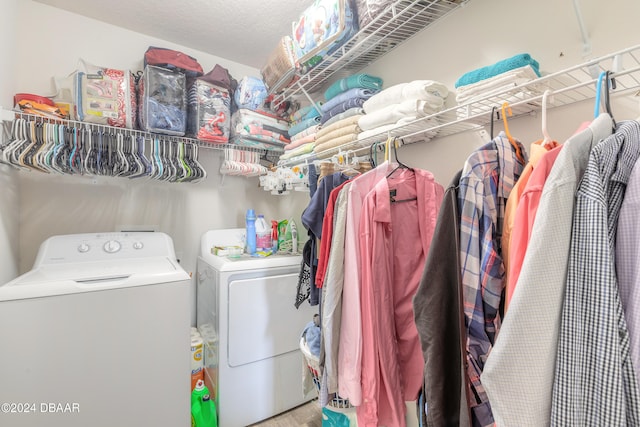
[{"x": 393, "y": 111}]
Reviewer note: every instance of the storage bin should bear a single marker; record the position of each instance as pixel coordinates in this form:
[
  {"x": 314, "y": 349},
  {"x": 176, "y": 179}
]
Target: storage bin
[
  {"x": 321, "y": 29},
  {"x": 163, "y": 101},
  {"x": 209, "y": 112},
  {"x": 106, "y": 96}
]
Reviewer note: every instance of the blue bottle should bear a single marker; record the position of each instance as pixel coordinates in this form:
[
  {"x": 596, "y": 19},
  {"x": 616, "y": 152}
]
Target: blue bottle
[{"x": 251, "y": 232}]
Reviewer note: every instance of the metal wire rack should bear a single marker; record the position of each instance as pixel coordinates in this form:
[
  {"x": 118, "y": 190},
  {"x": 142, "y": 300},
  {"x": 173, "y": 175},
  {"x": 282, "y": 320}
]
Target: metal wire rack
[
  {"x": 400, "y": 21},
  {"x": 568, "y": 86}
]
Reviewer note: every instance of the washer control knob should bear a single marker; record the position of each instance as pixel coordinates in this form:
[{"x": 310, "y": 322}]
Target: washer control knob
[
  {"x": 83, "y": 248},
  {"x": 111, "y": 246},
  {"x": 138, "y": 245}
]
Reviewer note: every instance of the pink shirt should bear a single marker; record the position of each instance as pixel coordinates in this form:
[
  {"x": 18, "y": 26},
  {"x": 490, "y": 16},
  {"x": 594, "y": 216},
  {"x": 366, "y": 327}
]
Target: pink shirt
[
  {"x": 350, "y": 345},
  {"x": 525, "y": 215},
  {"x": 394, "y": 242}
]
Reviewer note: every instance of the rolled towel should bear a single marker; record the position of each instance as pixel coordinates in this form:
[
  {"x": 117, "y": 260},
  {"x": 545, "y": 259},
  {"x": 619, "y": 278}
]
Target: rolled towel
[
  {"x": 299, "y": 127},
  {"x": 416, "y": 89},
  {"x": 395, "y": 112},
  {"x": 365, "y": 81},
  {"x": 342, "y": 107},
  {"x": 499, "y": 67},
  {"x": 345, "y": 96},
  {"x": 304, "y": 133},
  {"x": 350, "y": 112}
]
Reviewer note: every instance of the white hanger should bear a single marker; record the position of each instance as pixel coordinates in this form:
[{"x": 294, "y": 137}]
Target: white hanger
[{"x": 545, "y": 132}]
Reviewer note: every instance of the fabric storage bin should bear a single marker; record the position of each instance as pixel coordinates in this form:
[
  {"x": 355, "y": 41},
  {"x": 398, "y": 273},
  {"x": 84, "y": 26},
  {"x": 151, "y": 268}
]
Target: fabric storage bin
[
  {"x": 280, "y": 69},
  {"x": 163, "y": 101},
  {"x": 260, "y": 129},
  {"x": 321, "y": 29},
  {"x": 209, "y": 112},
  {"x": 106, "y": 96}
]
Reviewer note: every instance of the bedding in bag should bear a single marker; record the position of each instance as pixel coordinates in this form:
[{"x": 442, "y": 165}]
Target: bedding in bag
[
  {"x": 209, "y": 112},
  {"x": 163, "y": 101}
]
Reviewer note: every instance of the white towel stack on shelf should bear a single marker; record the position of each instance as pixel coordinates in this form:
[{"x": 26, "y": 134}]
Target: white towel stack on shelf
[
  {"x": 508, "y": 86},
  {"x": 393, "y": 111}
]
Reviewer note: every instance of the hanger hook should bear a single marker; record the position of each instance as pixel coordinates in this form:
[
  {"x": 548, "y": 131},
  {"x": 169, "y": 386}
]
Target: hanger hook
[{"x": 545, "y": 131}]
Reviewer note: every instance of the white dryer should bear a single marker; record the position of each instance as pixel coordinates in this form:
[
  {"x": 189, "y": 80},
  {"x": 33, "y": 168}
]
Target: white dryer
[
  {"x": 251, "y": 329},
  {"x": 97, "y": 334}
]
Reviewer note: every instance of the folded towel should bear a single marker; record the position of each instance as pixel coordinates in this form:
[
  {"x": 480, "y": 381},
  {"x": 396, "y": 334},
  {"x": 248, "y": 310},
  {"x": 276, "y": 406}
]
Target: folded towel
[
  {"x": 325, "y": 129},
  {"x": 304, "y": 113},
  {"x": 304, "y": 133},
  {"x": 299, "y": 127},
  {"x": 350, "y": 112},
  {"x": 345, "y": 96},
  {"x": 299, "y": 142},
  {"x": 416, "y": 89},
  {"x": 303, "y": 149},
  {"x": 365, "y": 81},
  {"x": 336, "y": 142},
  {"x": 487, "y": 87},
  {"x": 499, "y": 67},
  {"x": 395, "y": 112},
  {"x": 337, "y": 133},
  {"x": 342, "y": 107}
]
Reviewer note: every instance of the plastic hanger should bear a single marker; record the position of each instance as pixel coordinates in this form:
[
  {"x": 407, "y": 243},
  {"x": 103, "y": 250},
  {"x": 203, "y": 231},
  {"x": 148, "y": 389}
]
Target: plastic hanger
[
  {"x": 507, "y": 109},
  {"x": 545, "y": 132},
  {"x": 596, "y": 111},
  {"x": 611, "y": 85},
  {"x": 493, "y": 113}
]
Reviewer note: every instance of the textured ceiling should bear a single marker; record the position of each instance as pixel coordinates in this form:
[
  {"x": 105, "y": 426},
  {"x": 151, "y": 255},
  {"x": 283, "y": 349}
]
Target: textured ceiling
[{"x": 243, "y": 31}]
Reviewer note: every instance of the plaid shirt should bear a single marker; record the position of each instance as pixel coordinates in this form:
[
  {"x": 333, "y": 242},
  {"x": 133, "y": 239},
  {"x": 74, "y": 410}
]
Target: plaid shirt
[
  {"x": 595, "y": 384},
  {"x": 487, "y": 179}
]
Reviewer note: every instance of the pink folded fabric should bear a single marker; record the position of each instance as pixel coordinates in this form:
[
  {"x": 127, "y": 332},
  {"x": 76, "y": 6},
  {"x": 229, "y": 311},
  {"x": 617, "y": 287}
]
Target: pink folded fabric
[{"x": 299, "y": 142}]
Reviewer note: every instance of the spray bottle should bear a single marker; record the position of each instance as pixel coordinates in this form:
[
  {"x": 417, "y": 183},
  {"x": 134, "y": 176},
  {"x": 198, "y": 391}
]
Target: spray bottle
[{"x": 251, "y": 231}]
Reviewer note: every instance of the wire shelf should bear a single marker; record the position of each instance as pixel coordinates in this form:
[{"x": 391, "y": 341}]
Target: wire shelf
[
  {"x": 567, "y": 87},
  {"x": 10, "y": 115},
  {"x": 400, "y": 21}
]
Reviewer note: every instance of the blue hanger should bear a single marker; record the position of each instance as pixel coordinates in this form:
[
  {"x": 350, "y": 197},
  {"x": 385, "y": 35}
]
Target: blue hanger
[{"x": 596, "y": 111}]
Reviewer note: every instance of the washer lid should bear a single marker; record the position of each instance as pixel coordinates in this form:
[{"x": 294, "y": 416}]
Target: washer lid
[{"x": 71, "y": 278}]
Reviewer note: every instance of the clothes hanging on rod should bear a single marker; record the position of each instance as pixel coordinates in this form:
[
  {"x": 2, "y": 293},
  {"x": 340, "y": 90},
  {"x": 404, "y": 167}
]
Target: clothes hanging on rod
[
  {"x": 382, "y": 214},
  {"x": 529, "y": 337}
]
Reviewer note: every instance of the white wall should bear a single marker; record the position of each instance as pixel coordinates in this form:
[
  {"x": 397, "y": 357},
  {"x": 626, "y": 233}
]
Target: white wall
[
  {"x": 51, "y": 205},
  {"x": 9, "y": 196},
  {"x": 483, "y": 32}
]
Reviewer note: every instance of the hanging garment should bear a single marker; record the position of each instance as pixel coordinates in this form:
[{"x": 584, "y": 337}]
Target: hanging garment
[
  {"x": 350, "y": 344},
  {"x": 595, "y": 383},
  {"x": 627, "y": 266},
  {"x": 524, "y": 218},
  {"x": 528, "y": 337},
  {"x": 537, "y": 150},
  {"x": 439, "y": 319},
  {"x": 332, "y": 297},
  {"x": 487, "y": 179},
  {"x": 396, "y": 227},
  {"x": 312, "y": 220}
]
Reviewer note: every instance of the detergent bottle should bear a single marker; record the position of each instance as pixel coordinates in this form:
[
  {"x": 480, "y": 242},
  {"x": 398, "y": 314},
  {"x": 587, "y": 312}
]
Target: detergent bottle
[
  {"x": 203, "y": 409},
  {"x": 263, "y": 234},
  {"x": 251, "y": 232}
]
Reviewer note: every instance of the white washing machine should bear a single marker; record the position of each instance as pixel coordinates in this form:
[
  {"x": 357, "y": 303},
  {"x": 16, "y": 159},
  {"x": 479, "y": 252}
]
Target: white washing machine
[
  {"x": 251, "y": 329},
  {"x": 97, "y": 334}
]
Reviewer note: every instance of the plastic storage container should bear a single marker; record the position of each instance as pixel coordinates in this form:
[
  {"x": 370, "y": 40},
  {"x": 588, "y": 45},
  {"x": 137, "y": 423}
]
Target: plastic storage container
[
  {"x": 163, "y": 101},
  {"x": 209, "y": 112}
]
